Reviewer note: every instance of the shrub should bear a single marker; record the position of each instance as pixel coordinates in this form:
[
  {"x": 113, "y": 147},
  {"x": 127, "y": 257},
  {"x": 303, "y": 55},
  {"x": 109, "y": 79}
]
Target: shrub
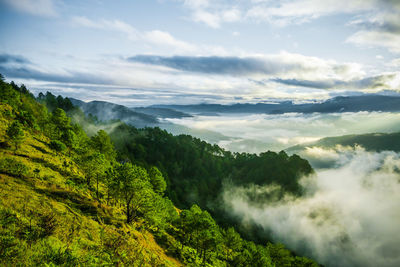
[
  {"x": 57, "y": 145},
  {"x": 13, "y": 167}
]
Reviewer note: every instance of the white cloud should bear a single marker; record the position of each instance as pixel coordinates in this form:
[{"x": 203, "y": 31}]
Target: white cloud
[
  {"x": 395, "y": 63},
  {"x": 213, "y": 15},
  {"x": 155, "y": 37},
  {"x": 210, "y": 19},
  {"x": 300, "y": 11},
  {"x": 376, "y": 38},
  {"x": 231, "y": 15},
  {"x": 378, "y": 18},
  {"x": 261, "y": 132},
  {"x": 165, "y": 38},
  {"x": 196, "y": 3},
  {"x": 45, "y": 8},
  {"x": 348, "y": 217}
]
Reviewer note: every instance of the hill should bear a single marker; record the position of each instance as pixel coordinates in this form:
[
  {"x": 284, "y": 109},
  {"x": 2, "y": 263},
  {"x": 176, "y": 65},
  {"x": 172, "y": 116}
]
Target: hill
[
  {"x": 371, "y": 142},
  {"x": 162, "y": 112},
  {"x": 67, "y": 200},
  {"x": 368, "y": 102},
  {"x": 106, "y": 111}
]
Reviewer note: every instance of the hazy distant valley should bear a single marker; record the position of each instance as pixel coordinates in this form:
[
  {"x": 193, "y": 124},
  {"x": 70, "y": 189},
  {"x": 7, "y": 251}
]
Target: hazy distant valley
[{"x": 256, "y": 128}]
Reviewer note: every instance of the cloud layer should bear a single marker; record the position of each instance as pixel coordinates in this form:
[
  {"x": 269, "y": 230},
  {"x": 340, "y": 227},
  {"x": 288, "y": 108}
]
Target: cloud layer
[
  {"x": 258, "y": 133},
  {"x": 349, "y": 216},
  {"x": 44, "y": 8}
]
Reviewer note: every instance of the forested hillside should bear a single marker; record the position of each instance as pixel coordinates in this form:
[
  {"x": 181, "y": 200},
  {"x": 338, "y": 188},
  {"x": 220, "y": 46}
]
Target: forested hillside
[{"x": 68, "y": 198}]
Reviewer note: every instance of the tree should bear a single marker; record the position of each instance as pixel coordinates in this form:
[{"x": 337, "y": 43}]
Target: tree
[
  {"x": 16, "y": 134},
  {"x": 232, "y": 239},
  {"x": 133, "y": 188},
  {"x": 157, "y": 181},
  {"x": 94, "y": 165},
  {"x": 102, "y": 143},
  {"x": 199, "y": 230},
  {"x": 70, "y": 139},
  {"x": 9, "y": 95},
  {"x": 57, "y": 146},
  {"x": 60, "y": 122}
]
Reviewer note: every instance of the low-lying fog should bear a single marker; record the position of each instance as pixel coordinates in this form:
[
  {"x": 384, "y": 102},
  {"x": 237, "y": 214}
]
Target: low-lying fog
[
  {"x": 260, "y": 132},
  {"x": 350, "y": 214}
]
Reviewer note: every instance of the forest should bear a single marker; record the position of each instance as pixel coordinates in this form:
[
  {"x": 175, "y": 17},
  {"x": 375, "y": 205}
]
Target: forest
[{"x": 76, "y": 191}]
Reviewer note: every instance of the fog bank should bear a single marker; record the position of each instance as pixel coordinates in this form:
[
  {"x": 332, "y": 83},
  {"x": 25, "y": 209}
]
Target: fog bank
[
  {"x": 349, "y": 216},
  {"x": 256, "y": 133}
]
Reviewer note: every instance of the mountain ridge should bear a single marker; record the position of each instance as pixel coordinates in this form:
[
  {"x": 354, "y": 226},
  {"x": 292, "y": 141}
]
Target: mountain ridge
[{"x": 368, "y": 102}]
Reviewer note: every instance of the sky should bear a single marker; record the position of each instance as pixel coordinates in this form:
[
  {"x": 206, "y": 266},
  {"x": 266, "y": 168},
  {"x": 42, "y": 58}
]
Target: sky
[{"x": 145, "y": 52}]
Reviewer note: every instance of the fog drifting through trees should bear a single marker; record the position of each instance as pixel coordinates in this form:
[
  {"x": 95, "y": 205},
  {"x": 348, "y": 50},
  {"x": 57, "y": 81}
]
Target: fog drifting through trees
[{"x": 349, "y": 216}]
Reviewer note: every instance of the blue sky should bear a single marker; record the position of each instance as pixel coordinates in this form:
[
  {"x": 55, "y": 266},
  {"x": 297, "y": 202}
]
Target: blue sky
[{"x": 190, "y": 51}]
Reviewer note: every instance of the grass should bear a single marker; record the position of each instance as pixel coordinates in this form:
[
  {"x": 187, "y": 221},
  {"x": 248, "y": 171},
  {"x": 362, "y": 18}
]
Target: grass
[{"x": 49, "y": 217}]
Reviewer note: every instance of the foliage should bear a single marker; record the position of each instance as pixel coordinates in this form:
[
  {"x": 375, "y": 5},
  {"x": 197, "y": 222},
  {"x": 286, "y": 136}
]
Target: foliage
[
  {"x": 133, "y": 188},
  {"x": 57, "y": 145},
  {"x": 102, "y": 143},
  {"x": 157, "y": 181},
  {"x": 15, "y": 133},
  {"x": 13, "y": 167}
]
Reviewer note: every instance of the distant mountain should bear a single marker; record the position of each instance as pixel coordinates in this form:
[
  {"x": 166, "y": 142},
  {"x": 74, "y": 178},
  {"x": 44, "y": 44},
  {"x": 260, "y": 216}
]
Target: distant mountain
[
  {"x": 370, "y": 102},
  {"x": 106, "y": 111},
  {"x": 162, "y": 112},
  {"x": 371, "y": 142}
]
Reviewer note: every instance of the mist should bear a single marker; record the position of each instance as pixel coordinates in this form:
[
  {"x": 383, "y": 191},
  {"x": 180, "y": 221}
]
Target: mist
[
  {"x": 256, "y": 133},
  {"x": 348, "y": 216}
]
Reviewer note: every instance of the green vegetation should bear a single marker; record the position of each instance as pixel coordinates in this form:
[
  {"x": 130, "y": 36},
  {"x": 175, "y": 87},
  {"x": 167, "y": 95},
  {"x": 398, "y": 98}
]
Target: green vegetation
[
  {"x": 196, "y": 171},
  {"x": 71, "y": 200},
  {"x": 15, "y": 134}
]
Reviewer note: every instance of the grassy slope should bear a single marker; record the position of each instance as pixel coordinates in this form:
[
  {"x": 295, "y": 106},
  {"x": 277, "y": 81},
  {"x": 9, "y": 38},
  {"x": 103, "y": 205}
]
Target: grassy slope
[{"x": 78, "y": 229}]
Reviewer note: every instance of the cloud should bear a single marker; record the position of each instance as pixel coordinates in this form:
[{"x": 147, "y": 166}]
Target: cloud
[
  {"x": 69, "y": 77},
  {"x": 44, "y": 8},
  {"x": 285, "y": 64},
  {"x": 348, "y": 217},
  {"x": 323, "y": 158},
  {"x": 164, "y": 38},
  {"x": 305, "y": 83},
  {"x": 16, "y": 66},
  {"x": 388, "y": 40},
  {"x": 210, "y": 65},
  {"x": 385, "y": 81},
  {"x": 207, "y": 18},
  {"x": 196, "y": 3},
  {"x": 155, "y": 37},
  {"x": 256, "y": 133},
  {"x": 301, "y": 11},
  {"x": 376, "y": 21},
  {"x": 380, "y": 29},
  {"x": 213, "y": 15},
  {"x": 7, "y": 58}
]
